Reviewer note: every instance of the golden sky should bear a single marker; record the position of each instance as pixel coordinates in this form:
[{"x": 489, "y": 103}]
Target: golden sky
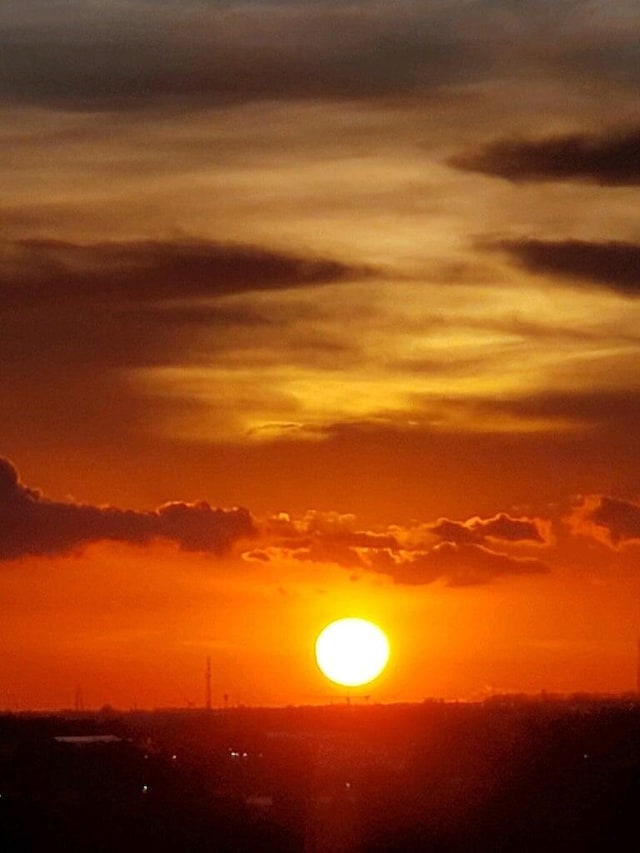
[{"x": 368, "y": 270}]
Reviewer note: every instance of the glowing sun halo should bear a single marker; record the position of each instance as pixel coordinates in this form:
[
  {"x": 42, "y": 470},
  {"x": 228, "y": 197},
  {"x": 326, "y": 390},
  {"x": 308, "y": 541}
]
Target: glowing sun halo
[{"x": 352, "y": 651}]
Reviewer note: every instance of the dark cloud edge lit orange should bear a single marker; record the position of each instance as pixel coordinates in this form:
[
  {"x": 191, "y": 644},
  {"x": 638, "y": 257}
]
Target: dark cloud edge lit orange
[{"x": 458, "y": 553}]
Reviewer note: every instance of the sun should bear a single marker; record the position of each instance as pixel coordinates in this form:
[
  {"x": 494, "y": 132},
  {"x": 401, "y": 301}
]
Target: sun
[{"x": 352, "y": 651}]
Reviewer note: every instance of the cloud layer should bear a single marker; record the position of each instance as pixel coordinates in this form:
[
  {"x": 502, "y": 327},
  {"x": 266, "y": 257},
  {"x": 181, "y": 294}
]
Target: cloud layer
[
  {"x": 612, "y": 264},
  {"x": 409, "y": 556},
  {"x": 32, "y": 525},
  {"x": 607, "y": 160},
  {"x": 456, "y": 553},
  {"x": 610, "y": 520},
  {"x": 476, "y": 530},
  {"x": 125, "y": 55},
  {"x": 456, "y": 565},
  {"x": 220, "y": 53},
  {"x": 147, "y": 271}
]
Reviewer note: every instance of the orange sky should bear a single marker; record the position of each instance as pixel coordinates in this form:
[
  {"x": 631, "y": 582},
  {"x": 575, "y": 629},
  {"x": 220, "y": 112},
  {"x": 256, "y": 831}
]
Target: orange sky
[{"x": 370, "y": 271}]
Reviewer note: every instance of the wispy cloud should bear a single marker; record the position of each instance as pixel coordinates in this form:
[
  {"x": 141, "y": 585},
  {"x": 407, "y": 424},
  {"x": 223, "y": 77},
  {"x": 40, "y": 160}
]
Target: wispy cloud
[
  {"x": 614, "y": 265},
  {"x": 220, "y": 53},
  {"x": 609, "y": 160},
  {"x": 150, "y": 270},
  {"x": 127, "y": 55}
]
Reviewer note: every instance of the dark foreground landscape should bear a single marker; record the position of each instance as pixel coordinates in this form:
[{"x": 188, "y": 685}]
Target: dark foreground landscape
[{"x": 510, "y": 774}]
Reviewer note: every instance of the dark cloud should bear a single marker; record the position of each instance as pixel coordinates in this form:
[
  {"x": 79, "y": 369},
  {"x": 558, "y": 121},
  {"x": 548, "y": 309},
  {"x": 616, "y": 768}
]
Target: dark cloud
[
  {"x": 135, "y": 305},
  {"x": 333, "y": 538},
  {"x": 613, "y": 265},
  {"x": 213, "y": 54},
  {"x": 455, "y": 564},
  {"x": 608, "y": 160},
  {"x": 475, "y": 530},
  {"x": 594, "y": 420},
  {"x": 341, "y": 529},
  {"x": 609, "y": 519},
  {"x": 76, "y": 318},
  {"x": 621, "y": 518},
  {"x": 150, "y": 270},
  {"x": 31, "y": 525},
  {"x": 127, "y": 55},
  {"x": 503, "y": 526},
  {"x": 322, "y": 537},
  {"x": 39, "y": 340},
  {"x": 596, "y": 407}
]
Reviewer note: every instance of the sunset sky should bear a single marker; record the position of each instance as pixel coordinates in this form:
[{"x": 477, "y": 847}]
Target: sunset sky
[{"x": 311, "y": 309}]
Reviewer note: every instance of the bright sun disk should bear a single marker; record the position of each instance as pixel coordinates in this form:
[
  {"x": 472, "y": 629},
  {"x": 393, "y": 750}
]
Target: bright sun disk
[{"x": 352, "y": 651}]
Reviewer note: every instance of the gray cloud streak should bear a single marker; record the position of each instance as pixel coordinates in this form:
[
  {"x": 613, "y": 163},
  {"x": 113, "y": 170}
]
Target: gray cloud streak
[
  {"x": 611, "y": 159},
  {"x": 615, "y": 265},
  {"x": 128, "y": 55},
  {"x": 146, "y": 271}
]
